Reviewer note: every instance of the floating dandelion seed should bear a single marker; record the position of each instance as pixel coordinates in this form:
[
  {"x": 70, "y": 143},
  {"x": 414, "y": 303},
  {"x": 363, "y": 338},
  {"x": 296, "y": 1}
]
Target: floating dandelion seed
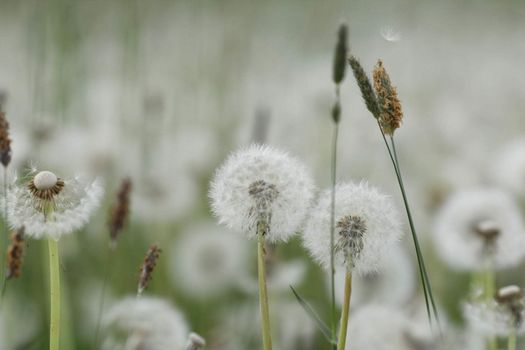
[
  {"x": 367, "y": 226},
  {"x": 390, "y": 33},
  {"x": 260, "y": 182},
  {"x": 474, "y": 226},
  {"x": 50, "y": 206}
]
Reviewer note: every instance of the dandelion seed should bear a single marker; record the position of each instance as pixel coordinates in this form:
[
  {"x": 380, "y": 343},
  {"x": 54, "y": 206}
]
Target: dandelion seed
[
  {"x": 474, "y": 226},
  {"x": 391, "y": 113},
  {"x": 120, "y": 211},
  {"x": 367, "y": 227},
  {"x": 147, "y": 267},
  {"x": 390, "y": 33},
  {"x": 50, "y": 206},
  {"x": 261, "y": 183},
  {"x": 15, "y": 254},
  {"x": 144, "y": 323}
]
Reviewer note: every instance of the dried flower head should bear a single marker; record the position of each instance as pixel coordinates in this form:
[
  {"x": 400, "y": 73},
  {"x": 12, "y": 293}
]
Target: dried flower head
[
  {"x": 5, "y": 141},
  {"x": 144, "y": 323},
  {"x": 48, "y": 205},
  {"x": 261, "y": 184},
  {"x": 499, "y": 316},
  {"x": 391, "y": 114},
  {"x": 367, "y": 227},
  {"x": 120, "y": 210},
  {"x": 195, "y": 342},
  {"x": 476, "y": 227},
  {"x": 15, "y": 254},
  {"x": 147, "y": 267},
  {"x": 365, "y": 86},
  {"x": 340, "y": 54}
]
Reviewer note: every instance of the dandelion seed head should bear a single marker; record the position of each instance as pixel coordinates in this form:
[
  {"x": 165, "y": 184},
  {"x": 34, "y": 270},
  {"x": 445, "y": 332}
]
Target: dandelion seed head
[
  {"x": 367, "y": 228},
  {"x": 147, "y": 322},
  {"x": 261, "y": 183},
  {"x": 475, "y": 226},
  {"x": 195, "y": 342},
  {"x": 49, "y": 206}
]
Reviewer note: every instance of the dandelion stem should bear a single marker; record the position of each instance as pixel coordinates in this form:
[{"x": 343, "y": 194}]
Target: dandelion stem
[
  {"x": 511, "y": 345},
  {"x": 488, "y": 293},
  {"x": 332, "y": 230},
  {"x": 425, "y": 281},
  {"x": 341, "y": 344},
  {"x": 263, "y": 294},
  {"x": 54, "y": 276}
]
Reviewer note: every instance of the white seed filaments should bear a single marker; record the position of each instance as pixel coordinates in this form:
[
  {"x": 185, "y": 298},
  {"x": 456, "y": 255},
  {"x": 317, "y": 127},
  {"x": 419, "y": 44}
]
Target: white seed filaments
[
  {"x": 350, "y": 229},
  {"x": 263, "y": 194}
]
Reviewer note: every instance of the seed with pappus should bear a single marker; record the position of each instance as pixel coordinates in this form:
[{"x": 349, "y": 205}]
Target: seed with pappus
[
  {"x": 261, "y": 183},
  {"x": 480, "y": 225},
  {"x": 47, "y": 205},
  {"x": 366, "y": 228}
]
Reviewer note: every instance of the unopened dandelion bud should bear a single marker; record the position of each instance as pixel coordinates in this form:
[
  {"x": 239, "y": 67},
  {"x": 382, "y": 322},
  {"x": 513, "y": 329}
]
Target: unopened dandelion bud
[
  {"x": 120, "y": 210},
  {"x": 15, "y": 254},
  {"x": 146, "y": 270},
  {"x": 195, "y": 342},
  {"x": 391, "y": 113},
  {"x": 336, "y": 112},
  {"x": 5, "y": 140},
  {"x": 365, "y": 86},
  {"x": 340, "y": 54}
]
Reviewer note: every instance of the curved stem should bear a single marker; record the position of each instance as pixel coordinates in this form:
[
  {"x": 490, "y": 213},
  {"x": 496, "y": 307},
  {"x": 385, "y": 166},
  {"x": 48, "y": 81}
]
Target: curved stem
[
  {"x": 263, "y": 294},
  {"x": 341, "y": 344},
  {"x": 54, "y": 276}
]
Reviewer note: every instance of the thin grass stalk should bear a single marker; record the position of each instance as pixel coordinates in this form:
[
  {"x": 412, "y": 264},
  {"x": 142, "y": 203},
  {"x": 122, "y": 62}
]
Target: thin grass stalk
[
  {"x": 107, "y": 275},
  {"x": 511, "y": 343},
  {"x": 332, "y": 231},
  {"x": 6, "y": 233},
  {"x": 425, "y": 281},
  {"x": 263, "y": 294},
  {"x": 341, "y": 344},
  {"x": 54, "y": 278}
]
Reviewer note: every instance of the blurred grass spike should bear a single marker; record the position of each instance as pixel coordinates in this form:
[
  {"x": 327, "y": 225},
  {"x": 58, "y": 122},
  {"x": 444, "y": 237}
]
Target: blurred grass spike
[
  {"x": 147, "y": 268},
  {"x": 340, "y": 54},
  {"x": 325, "y": 330},
  {"x": 391, "y": 113},
  {"x": 119, "y": 211}
]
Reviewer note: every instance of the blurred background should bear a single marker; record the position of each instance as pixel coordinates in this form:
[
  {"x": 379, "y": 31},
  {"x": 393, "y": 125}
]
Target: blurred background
[{"x": 162, "y": 91}]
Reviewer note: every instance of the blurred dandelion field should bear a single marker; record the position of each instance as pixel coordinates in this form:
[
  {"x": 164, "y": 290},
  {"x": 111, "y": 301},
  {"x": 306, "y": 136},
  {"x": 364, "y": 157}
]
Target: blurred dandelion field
[{"x": 127, "y": 148}]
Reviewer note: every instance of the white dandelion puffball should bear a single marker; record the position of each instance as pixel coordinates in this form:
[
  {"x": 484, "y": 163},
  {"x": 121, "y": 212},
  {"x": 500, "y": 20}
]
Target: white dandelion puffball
[
  {"x": 207, "y": 260},
  {"x": 379, "y": 328},
  {"x": 144, "y": 323},
  {"x": 499, "y": 316},
  {"x": 366, "y": 228},
  {"x": 49, "y": 206},
  {"x": 477, "y": 226},
  {"x": 508, "y": 169},
  {"x": 262, "y": 183},
  {"x": 394, "y": 285}
]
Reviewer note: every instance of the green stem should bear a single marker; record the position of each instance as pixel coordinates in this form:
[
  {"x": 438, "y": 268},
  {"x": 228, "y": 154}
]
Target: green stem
[
  {"x": 332, "y": 231},
  {"x": 511, "y": 345},
  {"x": 54, "y": 277},
  {"x": 425, "y": 281},
  {"x": 6, "y": 242},
  {"x": 263, "y": 294},
  {"x": 488, "y": 293},
  {"x": 345, "y": 312}
]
